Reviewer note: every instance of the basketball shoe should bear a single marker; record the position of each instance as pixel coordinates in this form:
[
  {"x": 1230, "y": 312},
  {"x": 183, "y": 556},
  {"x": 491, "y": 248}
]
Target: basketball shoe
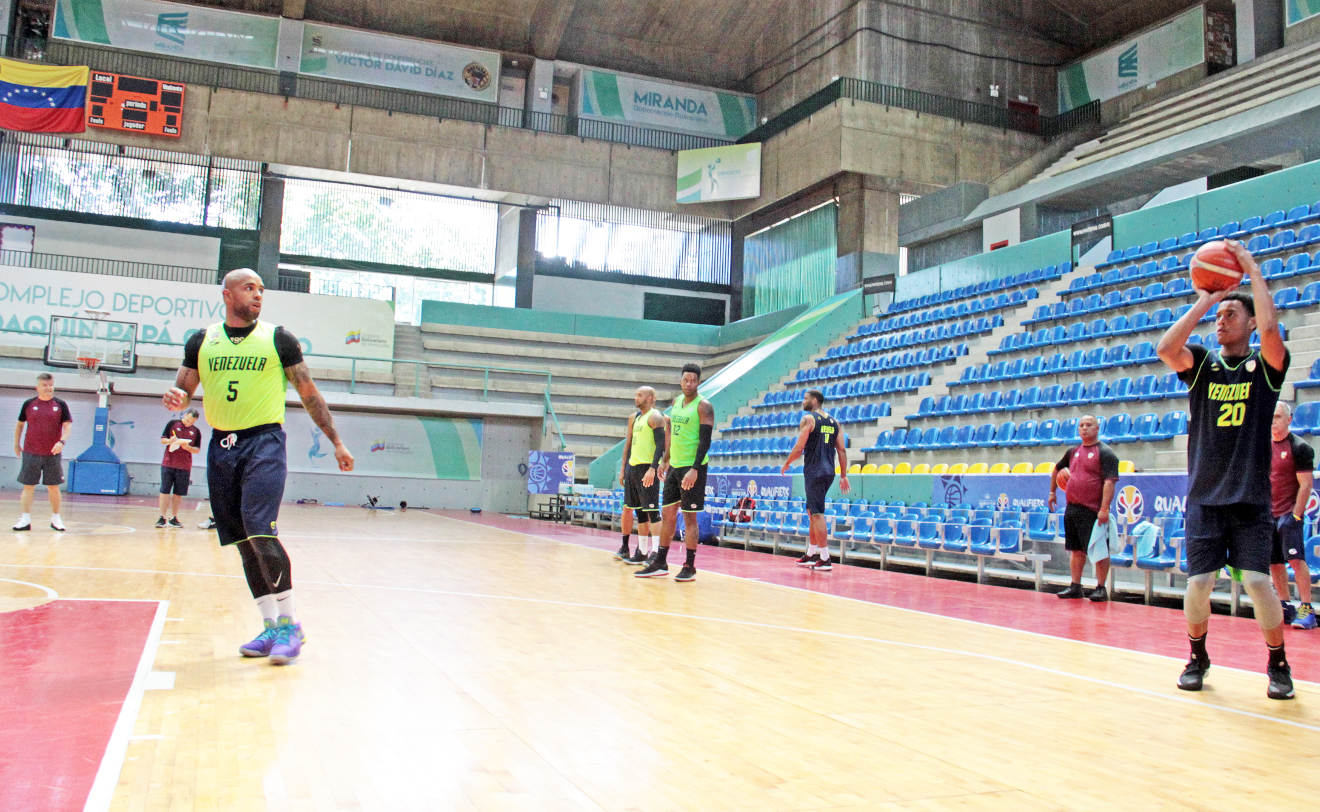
[
  {"x": 288, "y": 641},
  {"x": 1305, "y": 617},
  {"x": 260, "y": 645},
  {"x": 807, "y": 560}
]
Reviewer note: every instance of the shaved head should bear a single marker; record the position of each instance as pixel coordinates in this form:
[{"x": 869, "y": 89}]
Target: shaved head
[
  {"x": 238, "y": 276},
  {"x": 243, "y": 290}
]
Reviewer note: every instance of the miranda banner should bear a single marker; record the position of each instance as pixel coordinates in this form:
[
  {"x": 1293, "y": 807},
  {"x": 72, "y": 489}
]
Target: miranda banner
[
  {"x": 401, "y": 62},
  {"x": 174, "y": 29},
  {"x": 645, "y": 103},
  {"x": 1158, "y": 53}
]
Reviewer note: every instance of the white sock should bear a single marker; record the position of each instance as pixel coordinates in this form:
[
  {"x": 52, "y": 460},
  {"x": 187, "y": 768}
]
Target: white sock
[
  {"x": 285, "y": 602},
  {"x": 825, "y": 552},
  {"x": 269, "y": 610},
  {"x": 643, "y": 544},
  {"x": 55, "y": 519}
]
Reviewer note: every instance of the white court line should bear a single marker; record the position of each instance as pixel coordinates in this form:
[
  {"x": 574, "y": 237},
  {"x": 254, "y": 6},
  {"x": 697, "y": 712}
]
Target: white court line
[
  {"x": 50, "y": 593},
  {"x": 107, "y": 775}
]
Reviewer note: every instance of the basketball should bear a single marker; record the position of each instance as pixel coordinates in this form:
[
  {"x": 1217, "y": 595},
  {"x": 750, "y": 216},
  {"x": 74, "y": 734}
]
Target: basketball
[
  {"x": 1215, "y": 268},
  {"x": 1062, "y": 478}
]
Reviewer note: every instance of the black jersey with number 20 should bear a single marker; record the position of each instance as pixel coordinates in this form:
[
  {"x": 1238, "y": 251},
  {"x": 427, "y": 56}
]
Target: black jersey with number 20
[{"x": 1230, "y": 406}]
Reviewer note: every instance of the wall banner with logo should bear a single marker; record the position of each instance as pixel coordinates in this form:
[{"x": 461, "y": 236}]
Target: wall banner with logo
[
  {"x": 549, "y": 471},
  {"x": 402, "y": 62},
  {"x": 1134, "y": 63},
  {"x": 1138, "y": 496},
  {"x": 757, "y": 486},
  {"x": 168, "y": 312},
  {"x": 719, "y": 173},
  {"x": 646, "y": 103},
  {"x": 174, "y": 29}
]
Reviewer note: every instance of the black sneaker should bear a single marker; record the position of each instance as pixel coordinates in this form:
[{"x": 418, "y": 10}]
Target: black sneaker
[
  {"x": 1098, "y": 595},
  {"x": 821, "y": 566},
  {"x": 636, "y": 558},
  {"x": 689, "y": 573},
  {"x": 1073, "y": 591},
  {"x": 653, "y": 569},
  {"x": 174, "y": 522},
  {"x": 1289, "y": 613},
  {"x": 160, "y": 522},
  {"x": 1194, "y": 674},
  {"x": 622, "y": 553},
  {"x": 18, "y": 527},
  {"x": 1281, "y": 686},
  {"x": 808, "y": 560},
  {"x": 209, "y": 524}
]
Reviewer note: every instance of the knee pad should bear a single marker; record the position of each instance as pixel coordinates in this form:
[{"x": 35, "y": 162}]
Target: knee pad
[
  {"x": 1264, "y": 600},
  {"x": 1196, "y": 602}
]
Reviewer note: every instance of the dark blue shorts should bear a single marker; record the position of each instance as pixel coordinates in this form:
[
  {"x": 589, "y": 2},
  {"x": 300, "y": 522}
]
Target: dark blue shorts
[
  {"x": 175, "y": 480},
  {"x": 1228, "y": 535},
  {"x": 817, "y": 487},
  {"x": 246, "y": 478}
]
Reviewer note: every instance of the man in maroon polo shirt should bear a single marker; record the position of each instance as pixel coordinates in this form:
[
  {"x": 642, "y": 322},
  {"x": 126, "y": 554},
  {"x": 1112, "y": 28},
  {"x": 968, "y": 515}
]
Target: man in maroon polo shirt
[
  {"x": 48, "y": 422},
  {"x": 1093, "y": 475},
  {"x": 182, "y": 439}
]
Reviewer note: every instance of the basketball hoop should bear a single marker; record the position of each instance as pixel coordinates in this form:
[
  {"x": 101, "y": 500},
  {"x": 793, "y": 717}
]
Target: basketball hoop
[{"x": 87, "y": 366}]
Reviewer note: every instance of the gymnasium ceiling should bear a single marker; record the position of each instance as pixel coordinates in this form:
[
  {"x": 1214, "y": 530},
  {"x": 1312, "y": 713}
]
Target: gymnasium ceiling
[{"x": 708, "y": 42}]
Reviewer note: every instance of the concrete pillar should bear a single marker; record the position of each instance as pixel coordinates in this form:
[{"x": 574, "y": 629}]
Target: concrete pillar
[
  {"x": 541, "y": 86},
  {"x": 269, "y": 228},
  {"x": 507, "y": 228},
  {"x": 526, "y": 273},
  {"x": 738, "y": 233},
  {"x": 867, "y": 231}
]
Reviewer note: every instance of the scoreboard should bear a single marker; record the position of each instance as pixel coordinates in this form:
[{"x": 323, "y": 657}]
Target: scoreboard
[{"x": 135, "y": 104}]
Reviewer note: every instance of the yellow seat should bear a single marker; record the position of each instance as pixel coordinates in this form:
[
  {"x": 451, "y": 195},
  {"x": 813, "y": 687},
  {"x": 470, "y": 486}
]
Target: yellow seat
[
  {"x": 870, "y": 468},
  {"x": 978, "y": 468},
  {"x": 1022, "y": 468},
  {"x": 1044, "y": 467},
  {"x": 940, "y": 468},
  {"x": 1127, "y": 467},
  {"x": 999, "y": 468},
  {"x": 886, "y": 468},
  {"x": 903, "y": 468},
  {"x": 921, "y": 468},
  {"x": 855, "y": 468},
  {"x": 958, "y": 468}
]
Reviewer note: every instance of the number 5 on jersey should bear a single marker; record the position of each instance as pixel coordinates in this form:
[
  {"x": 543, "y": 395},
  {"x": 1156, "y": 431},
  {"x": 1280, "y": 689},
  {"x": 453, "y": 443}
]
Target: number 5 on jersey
[{"x": 233, "y": 394}]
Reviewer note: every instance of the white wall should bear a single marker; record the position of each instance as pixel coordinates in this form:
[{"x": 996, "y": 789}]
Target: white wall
[
  {"x": 1004, "y": 226},
  {"x": 590, "y": 297},
  {"x": 128, "y": 244}
]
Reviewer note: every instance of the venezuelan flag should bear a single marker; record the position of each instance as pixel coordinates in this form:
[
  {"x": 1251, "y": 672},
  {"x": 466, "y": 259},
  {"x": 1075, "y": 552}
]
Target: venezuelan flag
[{"x": 42, "y": 98}]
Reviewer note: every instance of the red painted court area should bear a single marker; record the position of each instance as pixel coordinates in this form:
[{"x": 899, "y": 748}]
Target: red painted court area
[
  {"x": 65, "y": 670},
  {"x": 1233, "y": 641}
]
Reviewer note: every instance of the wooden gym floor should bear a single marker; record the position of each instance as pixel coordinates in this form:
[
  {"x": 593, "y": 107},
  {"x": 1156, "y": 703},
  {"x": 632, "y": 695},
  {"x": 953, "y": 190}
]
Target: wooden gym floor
[{"x": 461, "y": 662}]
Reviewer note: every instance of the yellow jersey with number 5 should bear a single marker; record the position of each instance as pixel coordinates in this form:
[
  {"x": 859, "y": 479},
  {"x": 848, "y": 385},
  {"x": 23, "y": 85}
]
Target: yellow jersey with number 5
[{"x": 243, "y": 382}]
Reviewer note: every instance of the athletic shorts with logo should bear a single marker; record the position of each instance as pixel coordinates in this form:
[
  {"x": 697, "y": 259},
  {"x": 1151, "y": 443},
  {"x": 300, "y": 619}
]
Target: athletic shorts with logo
[
  {"x": 1288, "y": 542},
  {"x": 245, "y": 473},
  {"x": 1239, "y": 535},
  {"x": 689, "y": 501}
]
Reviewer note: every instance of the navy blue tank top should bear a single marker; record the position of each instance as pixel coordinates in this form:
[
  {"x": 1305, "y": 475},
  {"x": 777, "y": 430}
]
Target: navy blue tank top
[{"x": 818, "y": 456}]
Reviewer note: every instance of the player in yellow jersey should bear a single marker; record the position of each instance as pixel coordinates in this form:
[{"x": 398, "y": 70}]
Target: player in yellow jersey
[
  {"x": 643, "y": 448},
  {"x": 243, "y": 366}
]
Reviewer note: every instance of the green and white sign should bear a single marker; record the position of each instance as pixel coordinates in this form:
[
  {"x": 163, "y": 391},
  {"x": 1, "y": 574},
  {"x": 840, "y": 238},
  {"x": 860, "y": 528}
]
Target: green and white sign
[
  {"x": 408, "y": 64},
  {"x": 192, "y": 32},
  {"x": 645, "y": 103},
  {"x": 1175, "y": 46},
  {"x": 388, "y": 445},
  {"x": 719, "y": 173},
  {"x": 1298, "y": 10}
]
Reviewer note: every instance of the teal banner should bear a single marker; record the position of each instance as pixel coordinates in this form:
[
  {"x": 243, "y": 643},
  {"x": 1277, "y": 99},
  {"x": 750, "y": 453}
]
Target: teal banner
[
  {"x": 1298, "y": 10},
  {"x": 647, "y": 103},
  {"x": 175, "y": 29}
]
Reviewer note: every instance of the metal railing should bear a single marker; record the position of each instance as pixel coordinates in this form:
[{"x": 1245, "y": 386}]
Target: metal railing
[
  {"x": 990, "y": 115},
  {"x": 109, "y": 267}
]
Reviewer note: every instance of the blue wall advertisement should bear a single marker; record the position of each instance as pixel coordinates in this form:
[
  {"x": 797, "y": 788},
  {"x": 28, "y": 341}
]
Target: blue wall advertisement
[{"x": 549, "y": 471}]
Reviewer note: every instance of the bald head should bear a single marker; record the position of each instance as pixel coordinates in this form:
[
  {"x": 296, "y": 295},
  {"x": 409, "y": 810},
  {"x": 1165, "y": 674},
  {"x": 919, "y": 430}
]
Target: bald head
[
  {"x": 644, "y": 397},
  {"x": 243, "y": 291}
]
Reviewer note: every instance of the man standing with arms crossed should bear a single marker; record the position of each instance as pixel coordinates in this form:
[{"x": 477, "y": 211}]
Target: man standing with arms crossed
[
  {"x": 1093, "y": 475},
  {"x": 1292, "y": 464},
  {"x": 691, "y": 422},
  {"x": 820, "y": 444},
  {"x": 48, "y": 424},
  {"x": 1231, "y": 398},
  {"x": 242, "y": 365},
  {"x": 643, "y": 448}
]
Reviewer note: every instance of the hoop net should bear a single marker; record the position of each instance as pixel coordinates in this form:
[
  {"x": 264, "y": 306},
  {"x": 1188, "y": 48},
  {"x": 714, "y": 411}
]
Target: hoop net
[{"x": 87, "y": 366}]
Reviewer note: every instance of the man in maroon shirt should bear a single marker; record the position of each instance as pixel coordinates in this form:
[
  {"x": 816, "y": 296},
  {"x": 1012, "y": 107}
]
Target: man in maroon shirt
[
  {"x": 1093, "y": 475},
  {"x": 48, "y": 423},
  {"x": 1292, "y": 464},
  {"x": 181, "y": 439}
]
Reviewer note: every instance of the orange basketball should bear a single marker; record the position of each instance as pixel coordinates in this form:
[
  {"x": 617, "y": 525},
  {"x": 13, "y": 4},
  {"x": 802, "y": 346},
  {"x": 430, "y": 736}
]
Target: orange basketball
[
  {"x": 1214, "y": 267},
  {"x": 1062, "y": 479}
]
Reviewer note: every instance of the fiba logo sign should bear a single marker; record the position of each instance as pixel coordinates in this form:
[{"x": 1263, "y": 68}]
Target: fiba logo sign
[
  {"x": 751, "y": 487},
  {"x": 567, "y": 469},
  {"x": 1312, "y": 503},
  {"x": 1131, "y": 504},
  {"x": 1002, "y": 502}
]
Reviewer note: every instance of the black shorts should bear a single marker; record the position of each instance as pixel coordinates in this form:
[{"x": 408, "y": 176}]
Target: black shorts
[
  {"x": 175, "y": 480},
  {"x": 690, "y": 501},
  {"x": 1228, "y": 535},
  {"x": 40, "y": 469},
  {"x": 246, "y": 478},
  {"x": 638, "y": 496},
  {"x": 817, "y": 487},
  {"x": 1289, "y": 544},
  {"x": 1078, "y": 524}
]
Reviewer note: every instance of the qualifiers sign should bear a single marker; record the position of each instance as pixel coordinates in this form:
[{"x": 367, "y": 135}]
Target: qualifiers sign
[{"x": 135, "y": 104}]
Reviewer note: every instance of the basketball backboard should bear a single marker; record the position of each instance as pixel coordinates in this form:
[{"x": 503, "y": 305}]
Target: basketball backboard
[{"x": 113, "y": 343}]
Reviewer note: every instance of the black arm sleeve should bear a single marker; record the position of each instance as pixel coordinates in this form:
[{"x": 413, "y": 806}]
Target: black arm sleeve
[
  {"x": 659, "y": 434},
  {"x": 192, "y": 348},
  {"x": 703, "y": 442},
  {"x": 1108, "y": 463},
  {"x": 288, "y": 347}
]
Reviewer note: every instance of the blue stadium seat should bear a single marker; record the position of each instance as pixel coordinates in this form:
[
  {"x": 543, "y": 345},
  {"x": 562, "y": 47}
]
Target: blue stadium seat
[
  {"x": 1121, "y": 389},
  {"x": 1009, "y": 535},
  {"x": 1074, "y": 394},
  {"x": 1306, "y": 417},
  {"x": 1045, "y": 432},
  {"x": 1118, "y": 428},
  {"x": 984, "y": 434},
  {"x": 1025, "y": 434},
  {"x": 1258, "y": 243},
  {"x": 1144, "y": 427},
  {"x": 1004, "y": 434}
]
